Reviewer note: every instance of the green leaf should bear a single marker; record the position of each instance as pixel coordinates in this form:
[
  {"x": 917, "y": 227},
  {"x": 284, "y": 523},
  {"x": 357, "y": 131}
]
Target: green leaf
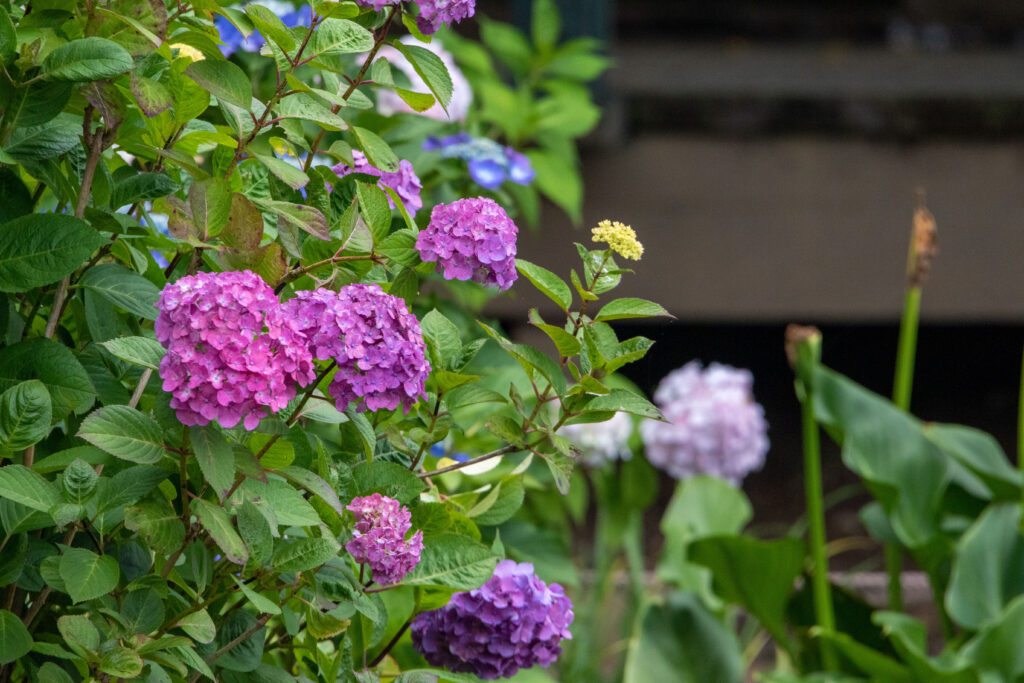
[
  {"x": 15, "y": 641},
  {"x": 377, "y": 151},
  {"x": 442, "y": 337},
  {"x": 283, "y": 504},
  {"x": 124, "y": 288},
  {"x": 981, "y": 454},
  {"x": 41, "y": 248},
  {"x": 454, "y": 561},
  {"x": 500, "y": 503},
  {"x": 625, "y": 401},
  {"x": 559, "y": 181},
  {"x": 79, "y": 481},
  {"x": 141, "y": 186},
  {"x": 270, "y": 26},
  {"x": 322, "y": 625},
  {"x": 547, "y": 282},
  {"x": 290, "y": 175},
  {"x": 878, "y": 666},
  {"x": 218, "y": 524},
  {"x": 631, "y": 308},
  {"x": 56, "y": 367},
  {"x": 141, "y": 351},
  {"x": 262, "y": 603},
  {"x": 314, "y": 484},
  {"x": 88, "y": 575},
  {"x": 143, "y": 610},
  {"x": 8, "y": 44},
  {"x": 199, "y": 626},
  {"x": 255, "y": 531},
  {"x": 996, "y": 649},
  {"x": 45, "y": 141},
  {"x": 373, "y": 205},
  {"x": 430, "y": 68},
  {"x": 25, "y": 415},
  {"x": 681, "y": 641},
  {"x": 215, "y": 458},
  {"x": 566, "y": 344},
  {"x": 339, "y": 37},
  {"x": 125, "y": 433},
  {"x": 246, "y": 655},
  {"x": 128, "y": 486},
  {"x": 158, "y": 524},
  {"x": 153, "y": 97},
  {"x": 21, "y": 485},
  {"x": 545, "y": 24},
  {"x": 244, "y": 230},
  {"x": 210, "y": 201},
  {"x": 386, "y": 478},
  {"x": 87, "y": 59},
  {"x": 305, "y": 218},
  {"x": 222, "y": 79},
  {"x": 79, "y": 633},
  {"x": 304, "y": 554},
  {"x": 121, "y": 662}
]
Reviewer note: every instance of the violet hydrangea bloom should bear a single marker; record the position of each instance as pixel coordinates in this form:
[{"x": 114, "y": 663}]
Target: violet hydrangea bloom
[
  {"x": 373, "y": 337},
  {"x": 471, "y": 239},
  {"x": 404, "y": 181},
  {"x": 601, "y": 442},
  {"x": 232, "y": 354},
  {"x": 512, "y": 622},
  {"x": 714, "y": 426},
  {"x": 434, "y": 13},
  {"x": 389, "y": 102},
  {"x": 489, "y": 163},
  {"x": 379, "y": 538}
]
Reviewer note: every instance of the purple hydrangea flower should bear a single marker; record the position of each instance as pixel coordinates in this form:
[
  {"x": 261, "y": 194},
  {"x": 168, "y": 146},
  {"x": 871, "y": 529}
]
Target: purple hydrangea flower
[
  {"x": 404, "y": 181},
  {"x": 489, "y": 163},
  {"x": 375, "y": 340},
  {"x": 379, "y": 538},
  {"x": 232, "y": 354},
  {"x": 389, "y": 102},
  {"x": 471, "y": 239},
  {"x": 512, "y": 622},
  {"x": 714, "y": 426},
  {"x": 434, "y": 13}
]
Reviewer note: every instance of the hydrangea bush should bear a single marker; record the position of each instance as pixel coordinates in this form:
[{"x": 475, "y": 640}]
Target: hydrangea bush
[{"x": 233, "y": 368}]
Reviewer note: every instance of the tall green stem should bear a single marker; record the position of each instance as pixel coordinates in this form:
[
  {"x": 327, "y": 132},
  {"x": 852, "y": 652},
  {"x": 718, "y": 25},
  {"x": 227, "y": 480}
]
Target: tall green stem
[{"x": 1020, "y": 423}]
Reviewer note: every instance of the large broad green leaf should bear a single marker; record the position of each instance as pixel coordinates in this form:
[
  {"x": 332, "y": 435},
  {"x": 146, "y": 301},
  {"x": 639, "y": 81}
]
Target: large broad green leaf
[
  {"x": 218, "y": 524},
  {"x": 547, "y": 282},
  {"x": 224, "y": 80},
  {"x": 56, "y": 367},
  {"x": 981, "y": 454},
  {"x": 377, "y": 151},
  {"x": 45, "y": 140},
  {"x": 210, "y": 201},
  {"x": 15, "y": 641},
  {"x": 124, "y": 432},
  {"x": 290, "y": 175},
  {"x": 559, "y": 181},
  {"x": 681, "y": 641},
  {"x": 87, "y": 59},
  {"x": 759, "y": 575},
  {"x": 909, "y": 638},
  {"x": 314, "y": 484},
  {"x": 136, "y": 350},
  {"x": 280, "y": 503},
  {"x": 88, "y": 575},
  {"x": 41, "y": 248},
  {"x": 215, "y": 458},
  {"x": 247, "y": 655},
  {"x": 124, "y": 288},
  {"x": 25, "y": 414},
  {"x": 906, "y": 472},
  {"x": 21, "y": 485},
  {"x": 8, "y": 42},
  {"x": 139, "y": 186},
  {"x": 340, "y": 36},
  {"x": 158, "y": 523},
  {"x": 879, "y": 666},
  {"x": 120, "y": 662},
  {"x": 199, "y": 625},
  {"x": 630, "y": 308},
  {"x": 988, "y": 570},
  {"x": 386, "y": 478},
  {"x": 270, "y": 26},
  {"x": 454, "y": 561},
  {"x": 79, "y": 479},
  {"x": 304, "y": 554},
  {"x": 430, "y": 68},
  {"x": 997, "y": 650}
]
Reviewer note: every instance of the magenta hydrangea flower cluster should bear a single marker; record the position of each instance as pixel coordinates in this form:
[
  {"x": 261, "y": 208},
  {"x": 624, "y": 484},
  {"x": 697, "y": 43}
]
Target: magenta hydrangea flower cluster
[
  {"x": 471, "y": 239},
  {"x": 231, "y": 354},
  {"x": 435, "y": 13},
  {"x": 373, "y": 337},
  {"x": 404, "y": 181},
  {"x": 512, "y": 622},
  {"x": 714, "y": 426},
  {"x": 379, "y": 538}
]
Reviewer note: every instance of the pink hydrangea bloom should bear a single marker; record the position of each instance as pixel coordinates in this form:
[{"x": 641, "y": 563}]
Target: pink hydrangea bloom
[
  {"x": 379, "y": 538},
  {"x": 375, "y": 340},
  {"x": 389, "y": 102},
  {"x": 404, "y": 181},
  {"x": 434, "y": 13},
  {"x": 471, "y": 239},
  {"x": 231, "y": 353},
  {"x": 512, "y": 622},
  {"x": 714, "y": 426}
]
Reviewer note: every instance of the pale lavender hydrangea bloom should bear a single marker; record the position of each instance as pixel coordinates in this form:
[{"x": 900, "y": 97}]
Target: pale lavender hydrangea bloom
[
  {"x": 714, "y": 426},
  {"x": 232, "y": 355},
  {"x": 404, "y": 181},
  {"x": 434, "y": 13},
  {"x": 379, "y": 538},
  {"x": 471, "y": 239},
  {"x": 601, "y": 442},
  {"x": 512, "y": 622},
  {"x": 389, "y": 102},
  {"x": 375, "y": 340}
]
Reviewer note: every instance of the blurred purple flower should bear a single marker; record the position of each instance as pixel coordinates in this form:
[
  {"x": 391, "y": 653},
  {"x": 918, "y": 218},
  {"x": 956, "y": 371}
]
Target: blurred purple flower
[
  {"x": 435, "y": 13},
  {"x": 489, "y": 163},
  {"x": 404, "y": 181}
]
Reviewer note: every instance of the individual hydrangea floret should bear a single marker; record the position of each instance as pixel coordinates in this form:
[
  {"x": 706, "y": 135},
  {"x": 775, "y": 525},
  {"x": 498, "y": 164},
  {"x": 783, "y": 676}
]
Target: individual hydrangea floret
[
  {"x": 379, "y": 538},
  {"x": 512, "y": 622},
  {"x": 435, "y": 13},
  {"x": 620, "y": 238},
  {"x": 602, "y": 442},
  {"x": 488, "y": 162},
  {"x": 471, "y": 239},
  {"x": 389, "y": 102},
  {"x": 404, "y": 181},
  {"x": 232, "y": 354},
  {"x": 713, "y": 424},
  {"x": 373, "y": 337}
]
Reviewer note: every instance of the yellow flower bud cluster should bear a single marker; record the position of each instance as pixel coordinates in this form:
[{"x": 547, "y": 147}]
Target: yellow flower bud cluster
[{"x": 620, "y": 238}]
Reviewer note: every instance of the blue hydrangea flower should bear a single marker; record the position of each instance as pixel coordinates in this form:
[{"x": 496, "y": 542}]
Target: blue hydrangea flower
[{"x": 489, "y": 163}]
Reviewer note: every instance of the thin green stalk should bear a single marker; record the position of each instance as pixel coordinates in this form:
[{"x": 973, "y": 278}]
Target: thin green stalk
[{"x": 1020, "y": 424}]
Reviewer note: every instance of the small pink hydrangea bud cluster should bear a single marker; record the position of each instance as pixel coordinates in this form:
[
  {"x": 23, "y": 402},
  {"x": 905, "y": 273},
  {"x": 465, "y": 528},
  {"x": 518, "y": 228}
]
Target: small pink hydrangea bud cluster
[
  {"x": 404, "y": 181},
  {"x": 714, "y": 426},
  {"x": 433, "y": 13},
  {"x": 231, "y": 354},
  {"x": 379, "y": 538},
  {"x": 375, "y": 340},
  {"x": 471, "y": 239}
]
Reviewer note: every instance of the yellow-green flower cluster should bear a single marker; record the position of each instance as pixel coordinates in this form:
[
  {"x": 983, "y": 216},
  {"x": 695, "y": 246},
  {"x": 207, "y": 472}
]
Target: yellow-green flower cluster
[{"x": 621, "y": 238}]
